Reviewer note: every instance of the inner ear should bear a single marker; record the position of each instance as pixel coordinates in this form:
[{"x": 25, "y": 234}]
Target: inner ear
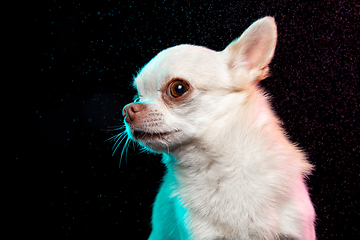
[{"x": 255, "y": 47}]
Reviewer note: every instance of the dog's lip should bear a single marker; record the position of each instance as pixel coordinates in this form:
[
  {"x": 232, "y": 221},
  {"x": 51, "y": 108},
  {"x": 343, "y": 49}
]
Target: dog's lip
[{"x": 141, "y": 134}]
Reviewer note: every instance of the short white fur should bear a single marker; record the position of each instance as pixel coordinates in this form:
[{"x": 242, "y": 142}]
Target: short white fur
[{"x": 231, "y": 171}]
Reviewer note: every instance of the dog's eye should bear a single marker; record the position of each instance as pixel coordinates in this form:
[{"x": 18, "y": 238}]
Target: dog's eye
[{"x": 177, "y": 88}]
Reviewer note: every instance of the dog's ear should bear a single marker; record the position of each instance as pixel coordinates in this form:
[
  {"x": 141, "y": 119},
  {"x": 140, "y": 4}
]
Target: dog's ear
[{"x": 254, "y": 49}]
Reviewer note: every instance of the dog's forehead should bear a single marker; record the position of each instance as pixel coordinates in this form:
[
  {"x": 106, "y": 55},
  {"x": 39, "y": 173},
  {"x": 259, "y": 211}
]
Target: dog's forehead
[{"x": 182, "y": 61}]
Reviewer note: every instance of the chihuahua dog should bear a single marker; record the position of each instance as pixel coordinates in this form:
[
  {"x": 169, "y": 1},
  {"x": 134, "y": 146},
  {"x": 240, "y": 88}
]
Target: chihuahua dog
[{"x": 231, "y": 171}]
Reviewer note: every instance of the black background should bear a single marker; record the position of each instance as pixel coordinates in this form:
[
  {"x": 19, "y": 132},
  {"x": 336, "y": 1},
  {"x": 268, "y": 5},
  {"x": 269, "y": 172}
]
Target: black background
[{"x": 80, "y": 61}]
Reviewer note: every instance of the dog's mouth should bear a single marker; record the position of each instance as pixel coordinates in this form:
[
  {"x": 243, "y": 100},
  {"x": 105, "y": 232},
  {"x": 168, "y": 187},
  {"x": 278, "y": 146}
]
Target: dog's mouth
[{"x": 145, "y": 135}]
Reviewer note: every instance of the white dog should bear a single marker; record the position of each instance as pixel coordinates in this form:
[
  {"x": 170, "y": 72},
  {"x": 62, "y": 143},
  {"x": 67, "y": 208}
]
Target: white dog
[{"x": 231, "y": 171}]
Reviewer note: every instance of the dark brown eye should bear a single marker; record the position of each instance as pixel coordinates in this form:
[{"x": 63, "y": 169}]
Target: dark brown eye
[{"x": 177, "y": 88}]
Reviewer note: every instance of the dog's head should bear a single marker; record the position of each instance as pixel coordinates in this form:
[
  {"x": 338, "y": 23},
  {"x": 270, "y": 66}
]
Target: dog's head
[{"x": 186, "y": 91}]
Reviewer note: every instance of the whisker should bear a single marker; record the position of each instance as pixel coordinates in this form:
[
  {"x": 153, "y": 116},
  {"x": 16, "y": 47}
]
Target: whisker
[
  {"x": 116, "y": 145},
  {"x": 117, "y": 135},
  {"x": 133, "y": 145},
  {"x": 119, "y": 138},
  {"x": 110, "y": 138},
  {"x": 124, "y": 149},
  {"x": 113, "y": 128},
  {"x": 143, "y": 150}
]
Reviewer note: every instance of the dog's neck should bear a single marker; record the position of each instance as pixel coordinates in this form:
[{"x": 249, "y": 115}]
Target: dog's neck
[
  {"x": 231, "y": 139},
  {"x": 254, "y": 148},
  {"x": 239, "y": 172}
]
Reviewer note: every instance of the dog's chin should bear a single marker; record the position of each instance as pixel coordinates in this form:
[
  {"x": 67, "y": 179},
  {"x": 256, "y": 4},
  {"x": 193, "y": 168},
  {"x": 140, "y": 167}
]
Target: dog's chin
[{"x": 156, "y": 141}]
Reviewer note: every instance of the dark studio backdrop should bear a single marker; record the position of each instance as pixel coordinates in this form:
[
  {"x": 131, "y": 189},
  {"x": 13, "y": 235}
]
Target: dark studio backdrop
[{"x": 83, "y": 57}]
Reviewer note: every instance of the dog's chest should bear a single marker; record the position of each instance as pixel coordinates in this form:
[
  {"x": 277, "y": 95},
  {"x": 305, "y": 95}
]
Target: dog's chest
[{"x": 223, "y": 205}]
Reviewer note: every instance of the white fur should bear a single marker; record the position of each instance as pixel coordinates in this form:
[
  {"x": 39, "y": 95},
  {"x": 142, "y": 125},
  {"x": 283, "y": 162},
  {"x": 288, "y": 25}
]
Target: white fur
[{"x": 231, "y": 171}]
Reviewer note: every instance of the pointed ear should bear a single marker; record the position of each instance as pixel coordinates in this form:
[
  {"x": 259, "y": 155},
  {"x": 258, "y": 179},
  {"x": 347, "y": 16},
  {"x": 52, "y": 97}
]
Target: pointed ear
[{"x": 254, "y": 49}]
